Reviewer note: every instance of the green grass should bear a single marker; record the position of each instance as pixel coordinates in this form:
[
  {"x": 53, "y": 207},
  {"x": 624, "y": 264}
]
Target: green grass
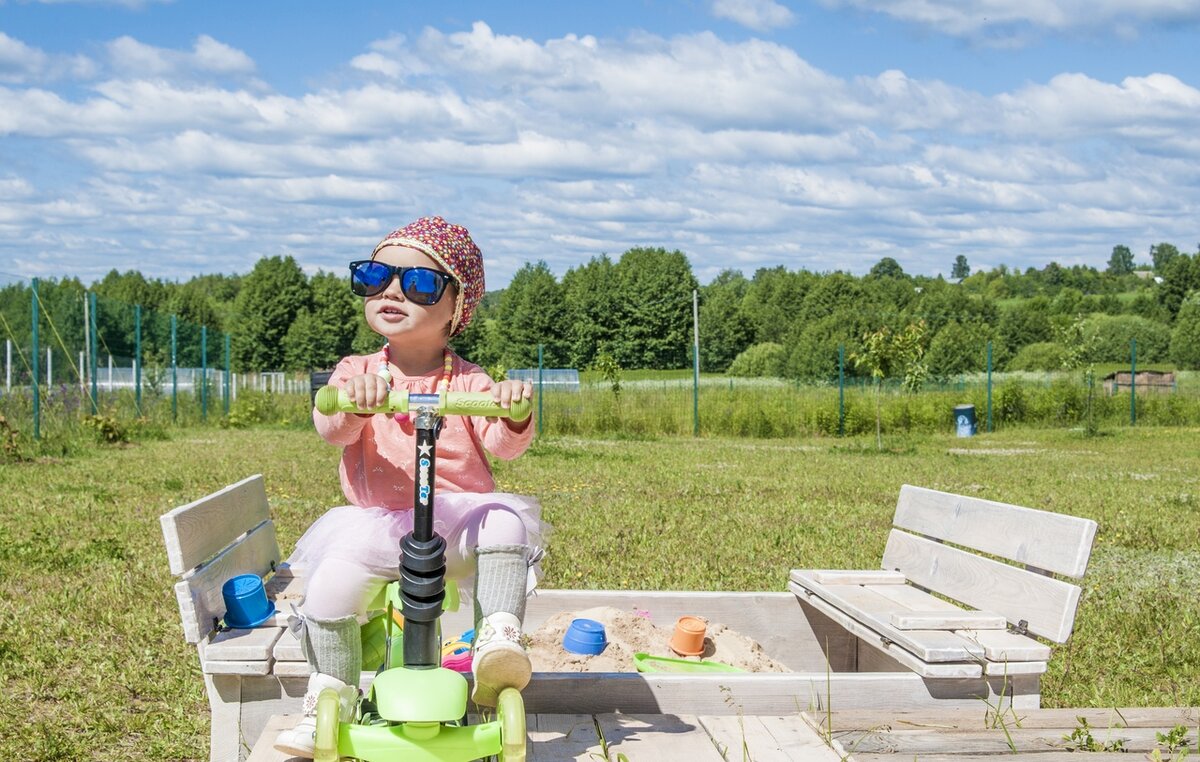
[{"x": 95, "y": 666}]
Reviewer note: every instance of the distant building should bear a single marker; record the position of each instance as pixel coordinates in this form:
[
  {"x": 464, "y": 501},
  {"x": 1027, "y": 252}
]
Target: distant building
[{"x": 1147, "y": 381}]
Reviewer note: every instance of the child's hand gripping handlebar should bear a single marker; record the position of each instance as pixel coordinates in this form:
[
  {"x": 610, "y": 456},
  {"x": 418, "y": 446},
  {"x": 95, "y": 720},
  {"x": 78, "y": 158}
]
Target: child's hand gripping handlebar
[{"x": 331, "y": 399}]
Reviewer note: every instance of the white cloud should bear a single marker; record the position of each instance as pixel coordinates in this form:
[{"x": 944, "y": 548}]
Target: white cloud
[
  {"x": 760, "y": 15},
  {"x": 1006, "y": 20},
  {"x": 21, "y": 63},
  {"x": 208, "y": 56},
  {"x": 211, "y": 55},
  {"x": 738, "y": 152}
]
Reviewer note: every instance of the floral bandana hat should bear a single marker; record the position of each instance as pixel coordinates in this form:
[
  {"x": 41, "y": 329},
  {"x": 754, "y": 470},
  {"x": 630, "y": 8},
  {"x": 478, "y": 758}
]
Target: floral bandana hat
[{"x": 452, "y": 248}]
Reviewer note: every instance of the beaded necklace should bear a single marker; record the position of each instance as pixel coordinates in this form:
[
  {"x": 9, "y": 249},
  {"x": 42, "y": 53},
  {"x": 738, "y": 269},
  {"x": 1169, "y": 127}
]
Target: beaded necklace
[{"x": 443, "y": 384}]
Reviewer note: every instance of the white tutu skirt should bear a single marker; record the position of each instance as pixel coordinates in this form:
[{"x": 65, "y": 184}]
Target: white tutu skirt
[{"x": 370, "y": 537}]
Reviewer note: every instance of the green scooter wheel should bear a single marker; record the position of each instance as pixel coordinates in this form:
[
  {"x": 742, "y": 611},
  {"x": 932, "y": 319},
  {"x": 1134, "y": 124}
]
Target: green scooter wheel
[
  {"x": 510, "y": 708},
  {"x": 325, "y": 745}
]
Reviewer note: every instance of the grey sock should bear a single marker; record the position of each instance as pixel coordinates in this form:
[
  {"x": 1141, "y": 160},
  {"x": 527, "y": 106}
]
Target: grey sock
[
  {"x": 500, "y": 575},
  {"x": 333, "y": 647}
]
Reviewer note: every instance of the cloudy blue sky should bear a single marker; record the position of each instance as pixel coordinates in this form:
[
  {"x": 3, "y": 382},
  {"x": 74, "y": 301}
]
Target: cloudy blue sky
[{"x": 186, "y": 137}]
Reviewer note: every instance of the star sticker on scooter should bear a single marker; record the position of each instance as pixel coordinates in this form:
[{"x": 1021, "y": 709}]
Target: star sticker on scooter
[{"x": 424, "y": 449}]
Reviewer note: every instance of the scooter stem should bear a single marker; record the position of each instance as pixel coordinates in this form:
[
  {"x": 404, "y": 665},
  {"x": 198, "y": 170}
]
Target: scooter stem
[{"x": 423, "y": 550}]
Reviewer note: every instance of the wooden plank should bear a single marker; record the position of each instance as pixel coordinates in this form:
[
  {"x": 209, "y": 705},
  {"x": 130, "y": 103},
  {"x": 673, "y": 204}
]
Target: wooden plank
[
  {"x": 910, "y": 743},
  {"x": 557, "y": 737},
  {"x": 287, "y": 648},
  {"x": 245, "y": 667},
  {"x": 224, "y": 703},
  {"x": 857, "y": 577},
  {"x": 291, "y": 669},
  {"x": 980, "y": 718},
  {"x": 1001, "y": 646},
  {"x": 286, "y": 585},
  {"x": 1002, "y": 668},
  {"x": 1033, "y": 756},
  {"x": 897, "y": 651},
  {"x": 731, "y": 693},
  {"x": 242, "y": 645},
  {"x": 656, "y": 736},
  {"x": 874, "y": 611},
  {"x": 997, "y": 645},
  {"x": 199, "y": 596},
  {"x": 195, "y": 532},
  {"x": 1045, "y": 604},
  {"x": 263, "y": 750},
  {"x": 947, "y": 620},
  {"x": 767, "y": 739},
  {"x": 1051, "y": 541}
]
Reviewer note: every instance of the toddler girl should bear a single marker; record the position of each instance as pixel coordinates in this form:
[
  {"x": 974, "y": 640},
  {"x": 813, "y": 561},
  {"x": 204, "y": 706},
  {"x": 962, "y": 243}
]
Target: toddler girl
[{"x": 420, "y": 288}]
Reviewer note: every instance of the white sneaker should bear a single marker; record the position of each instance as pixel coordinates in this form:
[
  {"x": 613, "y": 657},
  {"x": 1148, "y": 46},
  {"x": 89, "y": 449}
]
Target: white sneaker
[
  {"x": 499, "y": 660},
  {"x": 299, "y": 741}
]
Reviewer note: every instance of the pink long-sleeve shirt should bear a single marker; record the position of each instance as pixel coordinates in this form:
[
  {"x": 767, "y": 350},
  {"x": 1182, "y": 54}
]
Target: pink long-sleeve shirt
[{"x": 378, "y": 453}]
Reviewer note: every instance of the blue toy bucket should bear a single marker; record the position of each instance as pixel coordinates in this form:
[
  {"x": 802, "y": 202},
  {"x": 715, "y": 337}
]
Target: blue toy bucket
[
  {"x": 585, "y": 636},
  {"x": 246, "y": 603}
]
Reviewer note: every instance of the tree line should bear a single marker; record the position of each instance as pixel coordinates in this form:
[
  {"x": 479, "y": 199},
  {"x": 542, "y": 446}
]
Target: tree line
[{"x": 635, "y": 311}]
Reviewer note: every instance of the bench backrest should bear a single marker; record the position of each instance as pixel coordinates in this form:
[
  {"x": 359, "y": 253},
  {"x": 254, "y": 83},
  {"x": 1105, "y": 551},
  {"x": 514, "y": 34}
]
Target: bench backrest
[
  {"x": 213, "y": 539},
  {"x": 929, "y": 523}
]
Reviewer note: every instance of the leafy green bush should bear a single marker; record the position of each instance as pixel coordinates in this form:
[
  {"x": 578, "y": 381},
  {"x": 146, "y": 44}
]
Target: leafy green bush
[
  {"x": 1042, "y": 356},
  {"x": 1112, "y": 334},
  {"x": 1011, "y": 403},
  {"x": 1185, "y": 341},
  {"x": 760, "y": 360},
  {"x": 106, "y": 429},
  {"x": 10, "y": 443},
  {"x": 958, "y": 348}
]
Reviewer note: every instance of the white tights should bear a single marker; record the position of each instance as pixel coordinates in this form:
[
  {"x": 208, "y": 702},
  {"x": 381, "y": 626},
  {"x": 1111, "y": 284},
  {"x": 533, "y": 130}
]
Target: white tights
[{"x": 338, "y": 588}]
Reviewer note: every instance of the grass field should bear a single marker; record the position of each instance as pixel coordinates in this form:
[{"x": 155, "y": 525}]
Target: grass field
[{"x": 93, "y": 660}]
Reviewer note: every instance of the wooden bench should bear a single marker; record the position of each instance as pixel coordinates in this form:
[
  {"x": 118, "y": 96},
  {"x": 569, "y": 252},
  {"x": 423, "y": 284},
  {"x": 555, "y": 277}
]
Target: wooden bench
[
  {"x": 249, "y": 674},
  {"x": 942, "y": 552}
]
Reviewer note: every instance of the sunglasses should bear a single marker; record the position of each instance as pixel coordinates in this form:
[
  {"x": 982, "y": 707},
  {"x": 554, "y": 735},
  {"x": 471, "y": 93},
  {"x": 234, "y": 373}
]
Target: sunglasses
[{"x": 421, "y": 285}]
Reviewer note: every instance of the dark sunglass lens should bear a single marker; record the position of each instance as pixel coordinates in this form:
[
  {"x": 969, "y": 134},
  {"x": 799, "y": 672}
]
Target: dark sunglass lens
[
  {"x": 422, "y": 285},
  {"x": 369, "y": 278}
]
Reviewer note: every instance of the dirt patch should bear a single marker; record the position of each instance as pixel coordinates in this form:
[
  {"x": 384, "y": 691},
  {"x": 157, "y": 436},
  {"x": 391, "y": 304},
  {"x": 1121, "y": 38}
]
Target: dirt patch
[
  {"x": 629, "y": 633},
  {"x": 993, "y": 451}
]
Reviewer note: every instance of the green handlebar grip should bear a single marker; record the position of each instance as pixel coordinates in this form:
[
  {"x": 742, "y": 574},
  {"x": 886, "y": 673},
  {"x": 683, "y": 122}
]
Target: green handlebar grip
[
  {"x": 331, "y": 399},
  {"x": 481, "y": 403}
]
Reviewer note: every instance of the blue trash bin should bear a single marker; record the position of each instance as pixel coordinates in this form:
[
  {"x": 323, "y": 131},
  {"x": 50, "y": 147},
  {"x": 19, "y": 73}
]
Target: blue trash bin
[{"x": 964, "y": 420}]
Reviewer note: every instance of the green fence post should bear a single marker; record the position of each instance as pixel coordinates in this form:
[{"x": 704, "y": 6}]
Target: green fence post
[
  {"x": 989, "y": 387},
  {"x": 695, "y": 363},
  {"x": 174, "y": 371},
  {"x": 227, "y": 374},
  {"x": 94, "y": 360},
  {"x": 137, "y": 358},
  {"x": 842, "y": 390},
  {"x": 203, "y": 373},
  {"x": 37, "y": 394},
  {"x": 1133, "y": 382},
  {"x": 539, "y": 426}
]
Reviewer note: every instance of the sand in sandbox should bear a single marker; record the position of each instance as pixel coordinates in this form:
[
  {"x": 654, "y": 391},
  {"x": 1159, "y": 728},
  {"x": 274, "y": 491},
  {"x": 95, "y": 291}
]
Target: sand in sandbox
[{"x": 630, "y": 633}]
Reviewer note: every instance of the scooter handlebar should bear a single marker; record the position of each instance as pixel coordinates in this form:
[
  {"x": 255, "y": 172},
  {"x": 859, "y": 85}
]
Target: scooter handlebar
[{"x": 331, "y": 399}]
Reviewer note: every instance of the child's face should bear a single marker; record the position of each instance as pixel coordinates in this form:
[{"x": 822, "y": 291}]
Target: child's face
[{"x": 391, "y": 315}]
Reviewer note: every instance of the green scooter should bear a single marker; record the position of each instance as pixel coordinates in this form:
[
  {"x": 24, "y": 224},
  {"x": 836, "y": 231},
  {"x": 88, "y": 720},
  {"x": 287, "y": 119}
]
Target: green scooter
[{"x": 421, "y": 704}]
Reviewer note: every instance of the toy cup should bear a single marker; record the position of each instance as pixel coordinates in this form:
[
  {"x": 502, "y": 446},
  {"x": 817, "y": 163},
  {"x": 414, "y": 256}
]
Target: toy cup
[
  {"x": 585, "y": 636},
  {"x": 246, "y": 603},
  {"x": 688, "y": 639}
]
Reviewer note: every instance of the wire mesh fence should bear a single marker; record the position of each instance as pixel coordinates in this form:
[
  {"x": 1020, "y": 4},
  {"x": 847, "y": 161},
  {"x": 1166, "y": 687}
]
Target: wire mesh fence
[{"x": 97, "y": 357}]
